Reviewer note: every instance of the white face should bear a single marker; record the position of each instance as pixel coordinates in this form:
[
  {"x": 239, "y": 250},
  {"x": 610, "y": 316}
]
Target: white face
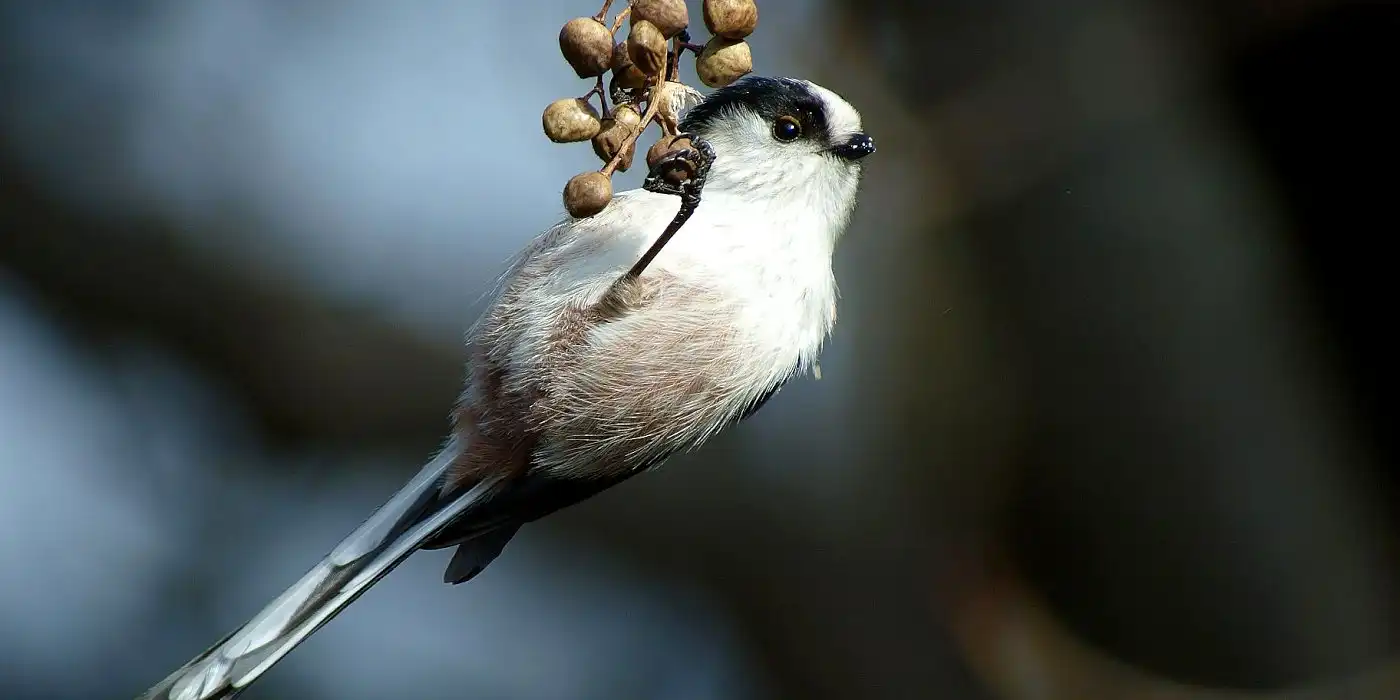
[{"x": 782, "y": 141}]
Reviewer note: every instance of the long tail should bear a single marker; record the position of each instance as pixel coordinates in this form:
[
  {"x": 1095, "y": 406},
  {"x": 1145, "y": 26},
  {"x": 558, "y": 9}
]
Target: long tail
[{"x": 413, "y": 515}]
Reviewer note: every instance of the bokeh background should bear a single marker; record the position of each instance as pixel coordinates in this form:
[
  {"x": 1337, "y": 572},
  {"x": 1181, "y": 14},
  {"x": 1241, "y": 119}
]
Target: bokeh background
[{"x": 1105, "y": 415}]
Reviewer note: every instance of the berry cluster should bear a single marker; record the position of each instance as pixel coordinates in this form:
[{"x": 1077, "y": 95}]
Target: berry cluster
[{"x": 644, "y": 86}]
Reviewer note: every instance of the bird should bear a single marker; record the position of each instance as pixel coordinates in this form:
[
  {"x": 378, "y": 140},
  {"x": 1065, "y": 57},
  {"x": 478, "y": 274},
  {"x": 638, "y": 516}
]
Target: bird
[{"x": 584, "y": 371}]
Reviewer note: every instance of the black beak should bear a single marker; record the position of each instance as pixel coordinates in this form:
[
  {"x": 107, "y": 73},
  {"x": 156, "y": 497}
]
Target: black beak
[{"x": 855, "y": 148}]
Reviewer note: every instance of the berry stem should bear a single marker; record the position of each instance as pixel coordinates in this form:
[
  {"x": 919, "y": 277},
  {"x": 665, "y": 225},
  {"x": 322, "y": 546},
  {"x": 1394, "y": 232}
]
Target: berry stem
[
  {"x": 653, "y": 104},
  {"x": 602, "y": 94},
  {"x": 603, "y": 13},
  {"x": 673, "y": 62},
  {"x": 617, "y": 23},
  {"x": 682, "y": 44}
]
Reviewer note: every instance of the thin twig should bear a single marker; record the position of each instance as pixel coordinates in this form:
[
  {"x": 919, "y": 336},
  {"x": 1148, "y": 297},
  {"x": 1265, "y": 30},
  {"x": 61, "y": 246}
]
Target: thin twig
[
  {"x": 603, "y": 13},
  {"x": 682, "y": 44},
  {"x": 617, "y": 23},
  {"x": 602, "y": 94},
  {"x": 673, "y": 64}
]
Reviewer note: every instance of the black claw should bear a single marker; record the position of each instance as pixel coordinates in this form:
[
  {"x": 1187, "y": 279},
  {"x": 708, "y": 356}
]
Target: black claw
[{"x": 681, "y": 174}]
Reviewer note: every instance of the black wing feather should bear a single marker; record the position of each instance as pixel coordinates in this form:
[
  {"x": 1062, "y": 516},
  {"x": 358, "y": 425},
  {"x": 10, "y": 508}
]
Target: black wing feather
[{"x": 481, "y": 536}]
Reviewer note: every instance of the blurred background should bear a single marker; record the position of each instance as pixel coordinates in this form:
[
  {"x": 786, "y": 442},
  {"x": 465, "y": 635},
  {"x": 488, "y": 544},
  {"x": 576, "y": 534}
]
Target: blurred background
[{"x": 1104, "y": 416}]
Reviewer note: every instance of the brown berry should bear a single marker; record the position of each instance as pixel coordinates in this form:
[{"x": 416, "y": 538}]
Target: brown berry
[
  {"x": 625, "y": 73},
  {"x": 664, "y": 147},
  {"x": 723, "y": 61},
  {"x": 670, "y": 16},
  {"x": 731, "y": 19},
  {"x": 570, "y": 119},
  {"x": 677, "y": 171},
  {"x": 610, "y": 140},
  {"x": 587, "y": 194},
  {"x": 646, "y": 47},
  {"x": 587, "y": 46},
  {"x": 626, "y": 115}
]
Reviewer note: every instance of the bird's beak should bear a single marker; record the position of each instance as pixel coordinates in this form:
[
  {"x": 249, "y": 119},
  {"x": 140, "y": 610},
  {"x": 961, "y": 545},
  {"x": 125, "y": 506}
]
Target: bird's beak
[{"x": 854, "y": 148}]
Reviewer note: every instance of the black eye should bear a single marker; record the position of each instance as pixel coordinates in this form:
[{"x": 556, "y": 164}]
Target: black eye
[{"x": 787, "y": 129}]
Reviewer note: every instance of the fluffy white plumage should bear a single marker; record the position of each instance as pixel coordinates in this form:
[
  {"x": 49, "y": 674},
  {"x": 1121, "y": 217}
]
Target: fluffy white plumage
[{"x": 741, "y": 298}]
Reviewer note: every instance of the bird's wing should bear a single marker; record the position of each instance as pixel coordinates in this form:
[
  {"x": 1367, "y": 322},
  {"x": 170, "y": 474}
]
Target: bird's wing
[
  {"x": 483, "y": 534},
  {"x": 417, "y": 512}
]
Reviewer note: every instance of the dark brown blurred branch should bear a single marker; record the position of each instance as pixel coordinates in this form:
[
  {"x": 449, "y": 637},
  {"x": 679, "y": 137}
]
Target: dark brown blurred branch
[
  {"x": 1077, "y": 148},
  {"x": 303, "y": 369},
  {"x": 1023, "y": 650}
]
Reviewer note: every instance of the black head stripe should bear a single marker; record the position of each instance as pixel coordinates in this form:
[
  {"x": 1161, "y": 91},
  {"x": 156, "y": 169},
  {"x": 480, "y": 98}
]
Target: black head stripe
[{"x": 769, "y": 98}]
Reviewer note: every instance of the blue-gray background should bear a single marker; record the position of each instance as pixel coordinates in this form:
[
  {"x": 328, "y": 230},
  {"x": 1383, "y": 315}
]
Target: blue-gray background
[{"x": 1103, "y": 416}]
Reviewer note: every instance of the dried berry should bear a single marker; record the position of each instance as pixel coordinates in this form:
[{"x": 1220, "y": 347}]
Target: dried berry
[
  {"x": 610, "y": 140},
  {"x": 646, "y": 47},
  {"x": 587, "y": 45},
  {"x": 723, "y": 61},
  {"x": 670, "y": 16},
  {"x": 678, "y": 171},
  {"x": 625, "y": 73},
  {"x": 665, "y": 146},
  {"x": 731, "y": 19},
  {"x": 626, "y": 115},
  {"x": 587, "y": 194},
  {"x": 570, "y": 119}
]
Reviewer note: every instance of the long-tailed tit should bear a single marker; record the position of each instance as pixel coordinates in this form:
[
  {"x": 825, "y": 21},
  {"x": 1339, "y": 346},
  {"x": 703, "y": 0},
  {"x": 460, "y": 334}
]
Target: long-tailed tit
[{"x": 582, "y": 375}]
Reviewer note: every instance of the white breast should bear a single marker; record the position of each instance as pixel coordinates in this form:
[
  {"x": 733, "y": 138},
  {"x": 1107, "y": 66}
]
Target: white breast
[
  {"x": 776, "y": 264},
  {"x": 741, "y": 298}
]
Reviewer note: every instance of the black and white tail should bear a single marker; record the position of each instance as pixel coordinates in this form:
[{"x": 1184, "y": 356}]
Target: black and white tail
[{"x": 414, "y": 515}]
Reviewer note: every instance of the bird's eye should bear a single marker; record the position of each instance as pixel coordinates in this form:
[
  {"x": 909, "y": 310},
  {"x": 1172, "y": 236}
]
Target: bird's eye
[{"x": 787, "y": 129}]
